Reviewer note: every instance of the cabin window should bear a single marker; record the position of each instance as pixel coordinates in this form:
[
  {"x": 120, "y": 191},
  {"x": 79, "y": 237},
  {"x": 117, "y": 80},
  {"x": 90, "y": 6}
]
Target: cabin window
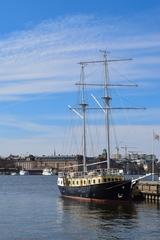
[
  {"x": 84, "y": 182},
  {"x": 109, "y": 179},
  {"x": 89, "y": 181},
  {"x": 77, "y": 182},
  {"x": 73, "y": 182},
  {"x": 99, "y": 180},
  {"x": 105, "y": 179},
  {"x": 112, "y": 179},
  {"x": 116, "y": 179},
  {"x": 81, "y": 182},
  {"x": 94, "y": 181},
  {"x": 69, "y": 182}
]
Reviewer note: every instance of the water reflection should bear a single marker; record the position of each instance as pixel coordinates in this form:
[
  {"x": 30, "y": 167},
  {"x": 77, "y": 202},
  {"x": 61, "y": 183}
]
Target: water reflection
[
  {"x": 152, "y": 205},
  {"x": 110, "y": 210},
  {"x": 98, "y": 221}
]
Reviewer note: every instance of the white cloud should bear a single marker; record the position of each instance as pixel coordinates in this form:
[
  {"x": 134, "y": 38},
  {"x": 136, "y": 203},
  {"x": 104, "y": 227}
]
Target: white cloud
[
  {"x": 52, "y": 49},
  {"x": 69, "y": 142}
]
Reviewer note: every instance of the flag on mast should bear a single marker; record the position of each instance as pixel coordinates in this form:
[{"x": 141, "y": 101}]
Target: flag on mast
[{"x": 156, "y": 136}]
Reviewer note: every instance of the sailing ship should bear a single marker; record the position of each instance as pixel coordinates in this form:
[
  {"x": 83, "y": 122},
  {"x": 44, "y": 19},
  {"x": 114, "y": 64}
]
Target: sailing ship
[{"x": 98, "y": 185}]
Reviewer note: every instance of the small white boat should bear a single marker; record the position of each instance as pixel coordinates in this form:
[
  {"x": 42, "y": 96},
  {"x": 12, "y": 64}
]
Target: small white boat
[
  {"x": 47, "y": 172},
  {"x": 14, "y": 174},
  {"x": 23, "y": 172},
  {"x": 121, "y": 171}
]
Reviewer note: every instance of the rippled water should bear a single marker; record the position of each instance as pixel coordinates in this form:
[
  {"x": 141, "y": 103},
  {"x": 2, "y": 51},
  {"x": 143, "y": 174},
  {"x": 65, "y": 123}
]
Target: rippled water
[{"x": 31, "y": 208}]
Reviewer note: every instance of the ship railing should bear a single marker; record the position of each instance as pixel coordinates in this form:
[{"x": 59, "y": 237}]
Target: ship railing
[{"x": 91, "y": 173}]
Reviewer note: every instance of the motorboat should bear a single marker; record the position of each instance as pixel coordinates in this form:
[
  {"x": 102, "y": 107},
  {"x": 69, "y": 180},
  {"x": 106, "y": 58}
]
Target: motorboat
[
  {"x": 47, "y": 172},
  {"x": 23, "y": 172}
]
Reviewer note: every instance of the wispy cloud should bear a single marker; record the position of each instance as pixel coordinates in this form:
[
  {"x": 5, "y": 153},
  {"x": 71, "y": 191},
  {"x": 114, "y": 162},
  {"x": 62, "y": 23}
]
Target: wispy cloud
[
  {"x": 43, "y": 59},
  {"x": 70, "y": 142},
  {"x": 30, "y": 126}
]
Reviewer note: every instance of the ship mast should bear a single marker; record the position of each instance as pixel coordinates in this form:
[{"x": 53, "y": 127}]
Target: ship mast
[
  {"x": 83, "y": 106},
  {"x": 106, "y": 108},
  {"x": 107, "y": 99}
]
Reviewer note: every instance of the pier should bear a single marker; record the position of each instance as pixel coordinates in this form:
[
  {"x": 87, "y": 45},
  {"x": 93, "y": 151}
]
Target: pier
[{"x": 150, "y": 190}]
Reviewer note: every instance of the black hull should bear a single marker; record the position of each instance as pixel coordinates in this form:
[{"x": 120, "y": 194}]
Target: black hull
[{"x": 99, "y": 192}]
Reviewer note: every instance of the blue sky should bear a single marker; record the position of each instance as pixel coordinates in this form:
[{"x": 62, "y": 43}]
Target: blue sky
[{"x": 42, "y": 41}]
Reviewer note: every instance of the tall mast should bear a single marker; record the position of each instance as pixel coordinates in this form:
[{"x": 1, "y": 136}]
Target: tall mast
[
  {"x": 107, "y": 99},
  {"x": 83, "y": 107}
]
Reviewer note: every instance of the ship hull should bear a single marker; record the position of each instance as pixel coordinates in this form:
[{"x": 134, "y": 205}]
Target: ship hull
[{"x": 99, "y": 192}]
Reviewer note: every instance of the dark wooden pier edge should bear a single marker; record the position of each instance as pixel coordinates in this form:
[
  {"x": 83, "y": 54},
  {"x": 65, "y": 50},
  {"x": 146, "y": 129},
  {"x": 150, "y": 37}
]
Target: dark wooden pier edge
[{"x": 148, "y": 190}]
